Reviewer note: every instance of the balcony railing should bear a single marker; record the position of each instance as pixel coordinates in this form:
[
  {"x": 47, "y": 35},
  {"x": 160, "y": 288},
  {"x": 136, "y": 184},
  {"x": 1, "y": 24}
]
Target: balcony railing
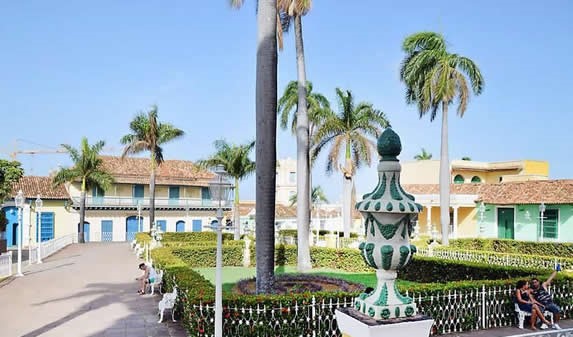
[{"x": 114, "y": 201}]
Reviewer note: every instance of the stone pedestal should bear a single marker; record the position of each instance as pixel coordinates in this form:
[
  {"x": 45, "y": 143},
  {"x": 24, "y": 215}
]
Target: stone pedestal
[{"x": 354, "y": 324}]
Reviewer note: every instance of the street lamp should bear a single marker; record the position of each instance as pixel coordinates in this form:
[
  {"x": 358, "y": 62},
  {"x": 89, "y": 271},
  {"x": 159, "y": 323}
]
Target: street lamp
[
  {"x": 19, "y": 200},
  {"x": 139, "y": 216},
  {"x": 541, "y": 211},
  {"x": 219, "y": 187},
  {"x": 481, "y": 210},
  {"x": 39, "y": 204}
]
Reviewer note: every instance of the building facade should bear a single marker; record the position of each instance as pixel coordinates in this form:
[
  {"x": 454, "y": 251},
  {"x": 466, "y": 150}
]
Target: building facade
[{"x": 285, "y": 181}]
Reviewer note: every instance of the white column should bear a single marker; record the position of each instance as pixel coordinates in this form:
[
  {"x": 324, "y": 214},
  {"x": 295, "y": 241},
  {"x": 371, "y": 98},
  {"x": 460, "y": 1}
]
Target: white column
[
  {"x": 429, "y": 219},
  {"x": 455, "y": 225}
]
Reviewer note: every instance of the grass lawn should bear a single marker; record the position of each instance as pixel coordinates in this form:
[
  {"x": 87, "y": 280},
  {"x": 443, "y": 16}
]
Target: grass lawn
[{"x": 232, "y": 275}]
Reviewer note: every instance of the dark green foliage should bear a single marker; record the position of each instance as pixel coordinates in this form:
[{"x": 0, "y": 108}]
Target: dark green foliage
[
  {"x": 10, "y": 173},
  {"x": 205, "y": 256},
  {"x": 515, "y": 246},
  {"x": 427, "y": 270}
]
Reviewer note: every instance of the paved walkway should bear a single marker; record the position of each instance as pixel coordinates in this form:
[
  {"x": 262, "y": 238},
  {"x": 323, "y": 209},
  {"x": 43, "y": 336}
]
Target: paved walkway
[
  {"x": 566, "y": 325},
  {"x": 85, "y": 291}
]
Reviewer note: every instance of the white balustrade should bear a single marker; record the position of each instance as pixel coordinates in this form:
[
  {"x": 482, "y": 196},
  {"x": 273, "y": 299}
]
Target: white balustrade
[{"x": 5, "y": 264}]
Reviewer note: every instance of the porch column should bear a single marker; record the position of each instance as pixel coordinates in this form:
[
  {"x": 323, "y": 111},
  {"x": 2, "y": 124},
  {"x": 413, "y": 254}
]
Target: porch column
[
  {"x": 455, "y": 224},
  {"x": 429, "y": 220}
]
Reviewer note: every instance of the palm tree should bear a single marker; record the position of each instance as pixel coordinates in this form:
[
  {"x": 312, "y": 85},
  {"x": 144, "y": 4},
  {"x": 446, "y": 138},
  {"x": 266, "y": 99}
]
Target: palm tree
[
  {"x": 317, "y": 196},
  {"x": 348, "y": 131},
  {"x": 148, "y": 134},
  {"x": 423, "y": 155},
  {"x": 88, "y": 168},
  {"x": 316, "y": 104},
  {"x": 235, "y": 159},
  {"x": 466, "y": 158},
  {"x": 266, "y": 141},
  {"x": 436, "y": 79}
]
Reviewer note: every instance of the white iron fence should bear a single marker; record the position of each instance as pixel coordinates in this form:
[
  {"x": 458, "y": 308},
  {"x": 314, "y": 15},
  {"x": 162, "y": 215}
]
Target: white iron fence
[
  {"x": 502, "y": 259},
  {"x": 453, "y": 312},
  {"x": 47, "y": 248}
]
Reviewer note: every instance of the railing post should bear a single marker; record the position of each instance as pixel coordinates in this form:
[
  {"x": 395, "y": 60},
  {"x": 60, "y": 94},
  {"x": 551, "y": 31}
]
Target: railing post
[
  {"x": 483, "y": 307},
  {"x": 10, "y": 263}
]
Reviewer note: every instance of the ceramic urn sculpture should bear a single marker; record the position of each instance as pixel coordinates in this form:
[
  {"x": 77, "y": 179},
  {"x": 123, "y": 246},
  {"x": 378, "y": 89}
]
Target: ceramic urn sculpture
[{"x": 388, "y": 213}]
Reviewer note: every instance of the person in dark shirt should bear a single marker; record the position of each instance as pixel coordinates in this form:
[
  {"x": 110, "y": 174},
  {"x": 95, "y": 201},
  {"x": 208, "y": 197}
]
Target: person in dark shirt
[{"x": 541, "y": 295}]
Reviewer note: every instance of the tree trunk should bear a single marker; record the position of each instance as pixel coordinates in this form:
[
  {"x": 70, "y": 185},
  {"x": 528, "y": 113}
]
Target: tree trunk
[
  {"x": 302, "y": 162},
  {"x": 445, "y": 178},
  {"x": 81, "y": 238},
  {"x": 152, "y": 196},
  {"x": 347, "y": 178},
  {"x": 266, "y": 141},
  {"x": 236, "y": 214}
]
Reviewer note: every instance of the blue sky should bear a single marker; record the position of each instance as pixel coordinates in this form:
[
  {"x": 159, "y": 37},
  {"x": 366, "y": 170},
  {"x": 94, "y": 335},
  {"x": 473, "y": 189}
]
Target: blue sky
[{"x": 70, "y": 70}]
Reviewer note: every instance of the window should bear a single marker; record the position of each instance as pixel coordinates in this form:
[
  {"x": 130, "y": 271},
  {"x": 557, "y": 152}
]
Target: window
[
  {"x": 97, "y": 195},
  {"x": 292, "y": 177},
  {"x": 550, "y": 223},
  {"x": 47, "y": 226},
  {"x": 476, "y": 180},
  {"x": 138, "y": 191},
  {"x": 459, "y": 179}
]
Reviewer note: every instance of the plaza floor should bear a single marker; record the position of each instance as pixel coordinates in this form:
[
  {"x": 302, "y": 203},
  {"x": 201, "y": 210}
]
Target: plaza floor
[{"x": 83, "y": 290}]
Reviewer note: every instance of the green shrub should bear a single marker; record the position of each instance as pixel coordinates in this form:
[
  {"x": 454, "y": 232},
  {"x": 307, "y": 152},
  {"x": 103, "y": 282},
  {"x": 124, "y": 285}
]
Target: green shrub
[
  {"x": 560, "y": 249},
  {"x": 194, "y": 236},
  {"x": 142, "y": 238},
  {"x": 205, "y": 256},
  {"x": 191, "y": 244}
]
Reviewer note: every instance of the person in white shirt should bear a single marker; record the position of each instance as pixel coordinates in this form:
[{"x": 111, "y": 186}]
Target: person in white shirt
[{"x": 149, "y": 276}]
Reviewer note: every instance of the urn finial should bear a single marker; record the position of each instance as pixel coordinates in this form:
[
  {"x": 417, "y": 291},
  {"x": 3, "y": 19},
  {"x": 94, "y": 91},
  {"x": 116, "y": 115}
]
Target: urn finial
[{"x": 389, "y": 145}]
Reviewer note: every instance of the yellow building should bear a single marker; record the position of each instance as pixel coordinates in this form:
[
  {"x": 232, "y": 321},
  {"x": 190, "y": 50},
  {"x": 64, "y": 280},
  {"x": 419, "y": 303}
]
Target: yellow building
[{"x": 421, "y": 178}]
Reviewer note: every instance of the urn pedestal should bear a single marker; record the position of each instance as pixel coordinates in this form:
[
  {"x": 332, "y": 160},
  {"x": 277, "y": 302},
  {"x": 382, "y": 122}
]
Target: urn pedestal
[{"x": 389, "y": 213}]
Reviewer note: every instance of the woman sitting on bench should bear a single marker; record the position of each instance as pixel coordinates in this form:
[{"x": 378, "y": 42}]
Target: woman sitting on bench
[{"x": 527, "y": 303}]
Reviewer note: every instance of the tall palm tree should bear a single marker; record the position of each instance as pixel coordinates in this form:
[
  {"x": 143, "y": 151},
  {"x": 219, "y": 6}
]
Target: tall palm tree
[
  {"x": 436, "y": 79},
  {"x": 349, "y": 132},
  {"x": 235, "y": 159},
  {"x": 266, "y": 141},
  {"x": 148, "y": 134},
  {"x": 88, "y": 169},
  {"x": 316, "y": 104},
  {"x": 423, "y": 155},
  {"x": 316, "y": 196}
]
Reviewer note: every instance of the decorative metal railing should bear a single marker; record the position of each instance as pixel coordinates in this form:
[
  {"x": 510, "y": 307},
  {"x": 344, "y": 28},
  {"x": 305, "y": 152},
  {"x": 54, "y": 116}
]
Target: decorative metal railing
[
  {"x": 502, "y": 259},
  {"x": 6, "y": 264},
  {"x": 453, "y": 311}
]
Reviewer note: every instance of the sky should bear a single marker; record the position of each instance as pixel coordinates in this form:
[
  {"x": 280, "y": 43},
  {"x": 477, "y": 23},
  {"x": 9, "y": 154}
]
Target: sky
[{"x": 73, "y": 69}]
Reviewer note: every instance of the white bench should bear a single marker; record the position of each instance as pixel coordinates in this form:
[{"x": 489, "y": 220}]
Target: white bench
[
  {"x": 522, "y": 314},
  {"x": 167, "y": 302},
  {"x": 157, "y": 282}
]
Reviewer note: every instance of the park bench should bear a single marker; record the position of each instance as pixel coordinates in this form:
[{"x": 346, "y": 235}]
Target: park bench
[
  {"x": 158, "y": 282},
  {"x": 167, "y": 302},
  {"x": 522, "y": 314}
]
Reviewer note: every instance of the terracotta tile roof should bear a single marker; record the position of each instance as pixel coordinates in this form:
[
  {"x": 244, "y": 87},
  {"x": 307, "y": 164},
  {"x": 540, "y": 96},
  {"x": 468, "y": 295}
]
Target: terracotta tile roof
[
  {"x": 435, "y": 188},
  {"x": 31, "y": 186},
  {"x": 528, "y": 192},
  {"x": 288, "y": 212},
  {"x": 172, "y": 172}
]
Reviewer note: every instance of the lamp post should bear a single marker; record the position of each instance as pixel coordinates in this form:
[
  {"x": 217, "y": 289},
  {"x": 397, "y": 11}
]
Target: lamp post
[
  {"x": 481, "y": 211},
  {"x": 39, "y": 205},
  {"x": 541, "y": 211},
  {"x": 19, "y": 200},
  {"x": 219, "y": 187},
  {"x": 140, "y": 226}
]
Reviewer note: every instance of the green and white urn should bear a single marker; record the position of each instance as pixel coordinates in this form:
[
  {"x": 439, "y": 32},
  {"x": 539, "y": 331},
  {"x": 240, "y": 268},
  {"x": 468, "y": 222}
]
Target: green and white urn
[{"x": 388, "y": 213}]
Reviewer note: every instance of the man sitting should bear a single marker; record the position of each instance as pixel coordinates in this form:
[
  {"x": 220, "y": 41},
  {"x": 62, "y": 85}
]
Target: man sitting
[
  {"x": 149, "y": 276},
  {"x": 540, "y": 293}
]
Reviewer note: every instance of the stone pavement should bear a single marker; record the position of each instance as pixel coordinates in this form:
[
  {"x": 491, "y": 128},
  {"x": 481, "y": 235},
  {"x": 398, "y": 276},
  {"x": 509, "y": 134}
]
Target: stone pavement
[
  {"x": 85, "y": 291},
  {"x": 566, "y": 325}
]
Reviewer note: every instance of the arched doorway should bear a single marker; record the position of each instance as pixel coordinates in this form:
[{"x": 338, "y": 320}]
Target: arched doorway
[
  {"x": 131, "y": 228},
  {"x": 11, "y": 226},
  {"x": 86, "y": 231}
]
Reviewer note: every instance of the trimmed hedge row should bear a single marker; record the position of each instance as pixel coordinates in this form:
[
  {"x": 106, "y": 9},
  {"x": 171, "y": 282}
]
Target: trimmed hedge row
[
  {"x": 514, "y": 246},
  {"x": 194, "y": 236},
  {"x": 205, "y": 256},
  {"x": 142, "y": 238},
  {"x": 190, "y": 244}
]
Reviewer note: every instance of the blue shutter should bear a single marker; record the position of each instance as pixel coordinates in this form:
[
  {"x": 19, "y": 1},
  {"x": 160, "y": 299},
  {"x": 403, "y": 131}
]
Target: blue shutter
[
  {"x": 162, "y": 224},
  {"x": 180, "y": 226},
  {"x": 47, "y": 230},
  {"x": 197, "y": 225},
  {"x": 107, "y": 230}
]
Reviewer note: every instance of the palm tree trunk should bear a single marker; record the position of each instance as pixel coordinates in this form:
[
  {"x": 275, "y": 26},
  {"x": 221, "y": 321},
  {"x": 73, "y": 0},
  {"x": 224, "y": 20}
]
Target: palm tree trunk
[
  {"x": 302, "y": 162},
  {"x": 266, "y": 141},
  {"x": 236, "y": 214},
  {"x": 347, "y": 182},
  {"x": 445, "y": 178},
  {"x": 152, "y": 196},
  {"x": 81, "y": 238}
]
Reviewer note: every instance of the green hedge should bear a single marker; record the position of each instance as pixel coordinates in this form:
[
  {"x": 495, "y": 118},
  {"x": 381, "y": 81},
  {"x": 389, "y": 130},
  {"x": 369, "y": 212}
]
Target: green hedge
[
  {"x": 194, "y": 236},
  {"x": 142, "y": 238},
  {"x": 205, "y": 256},
  {"x": 191, "y": 244},
  {"x": 515, "y": 246}
]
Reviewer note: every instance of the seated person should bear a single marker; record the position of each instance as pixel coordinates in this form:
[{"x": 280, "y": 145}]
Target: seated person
[
  {"x": 149, "y": 276},
  {"x": 541, "y": 295},
  {"x": 526, "y": 303}
]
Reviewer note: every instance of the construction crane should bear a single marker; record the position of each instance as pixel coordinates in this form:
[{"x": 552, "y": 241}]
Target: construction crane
[{"x": 14, "y": 154}]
